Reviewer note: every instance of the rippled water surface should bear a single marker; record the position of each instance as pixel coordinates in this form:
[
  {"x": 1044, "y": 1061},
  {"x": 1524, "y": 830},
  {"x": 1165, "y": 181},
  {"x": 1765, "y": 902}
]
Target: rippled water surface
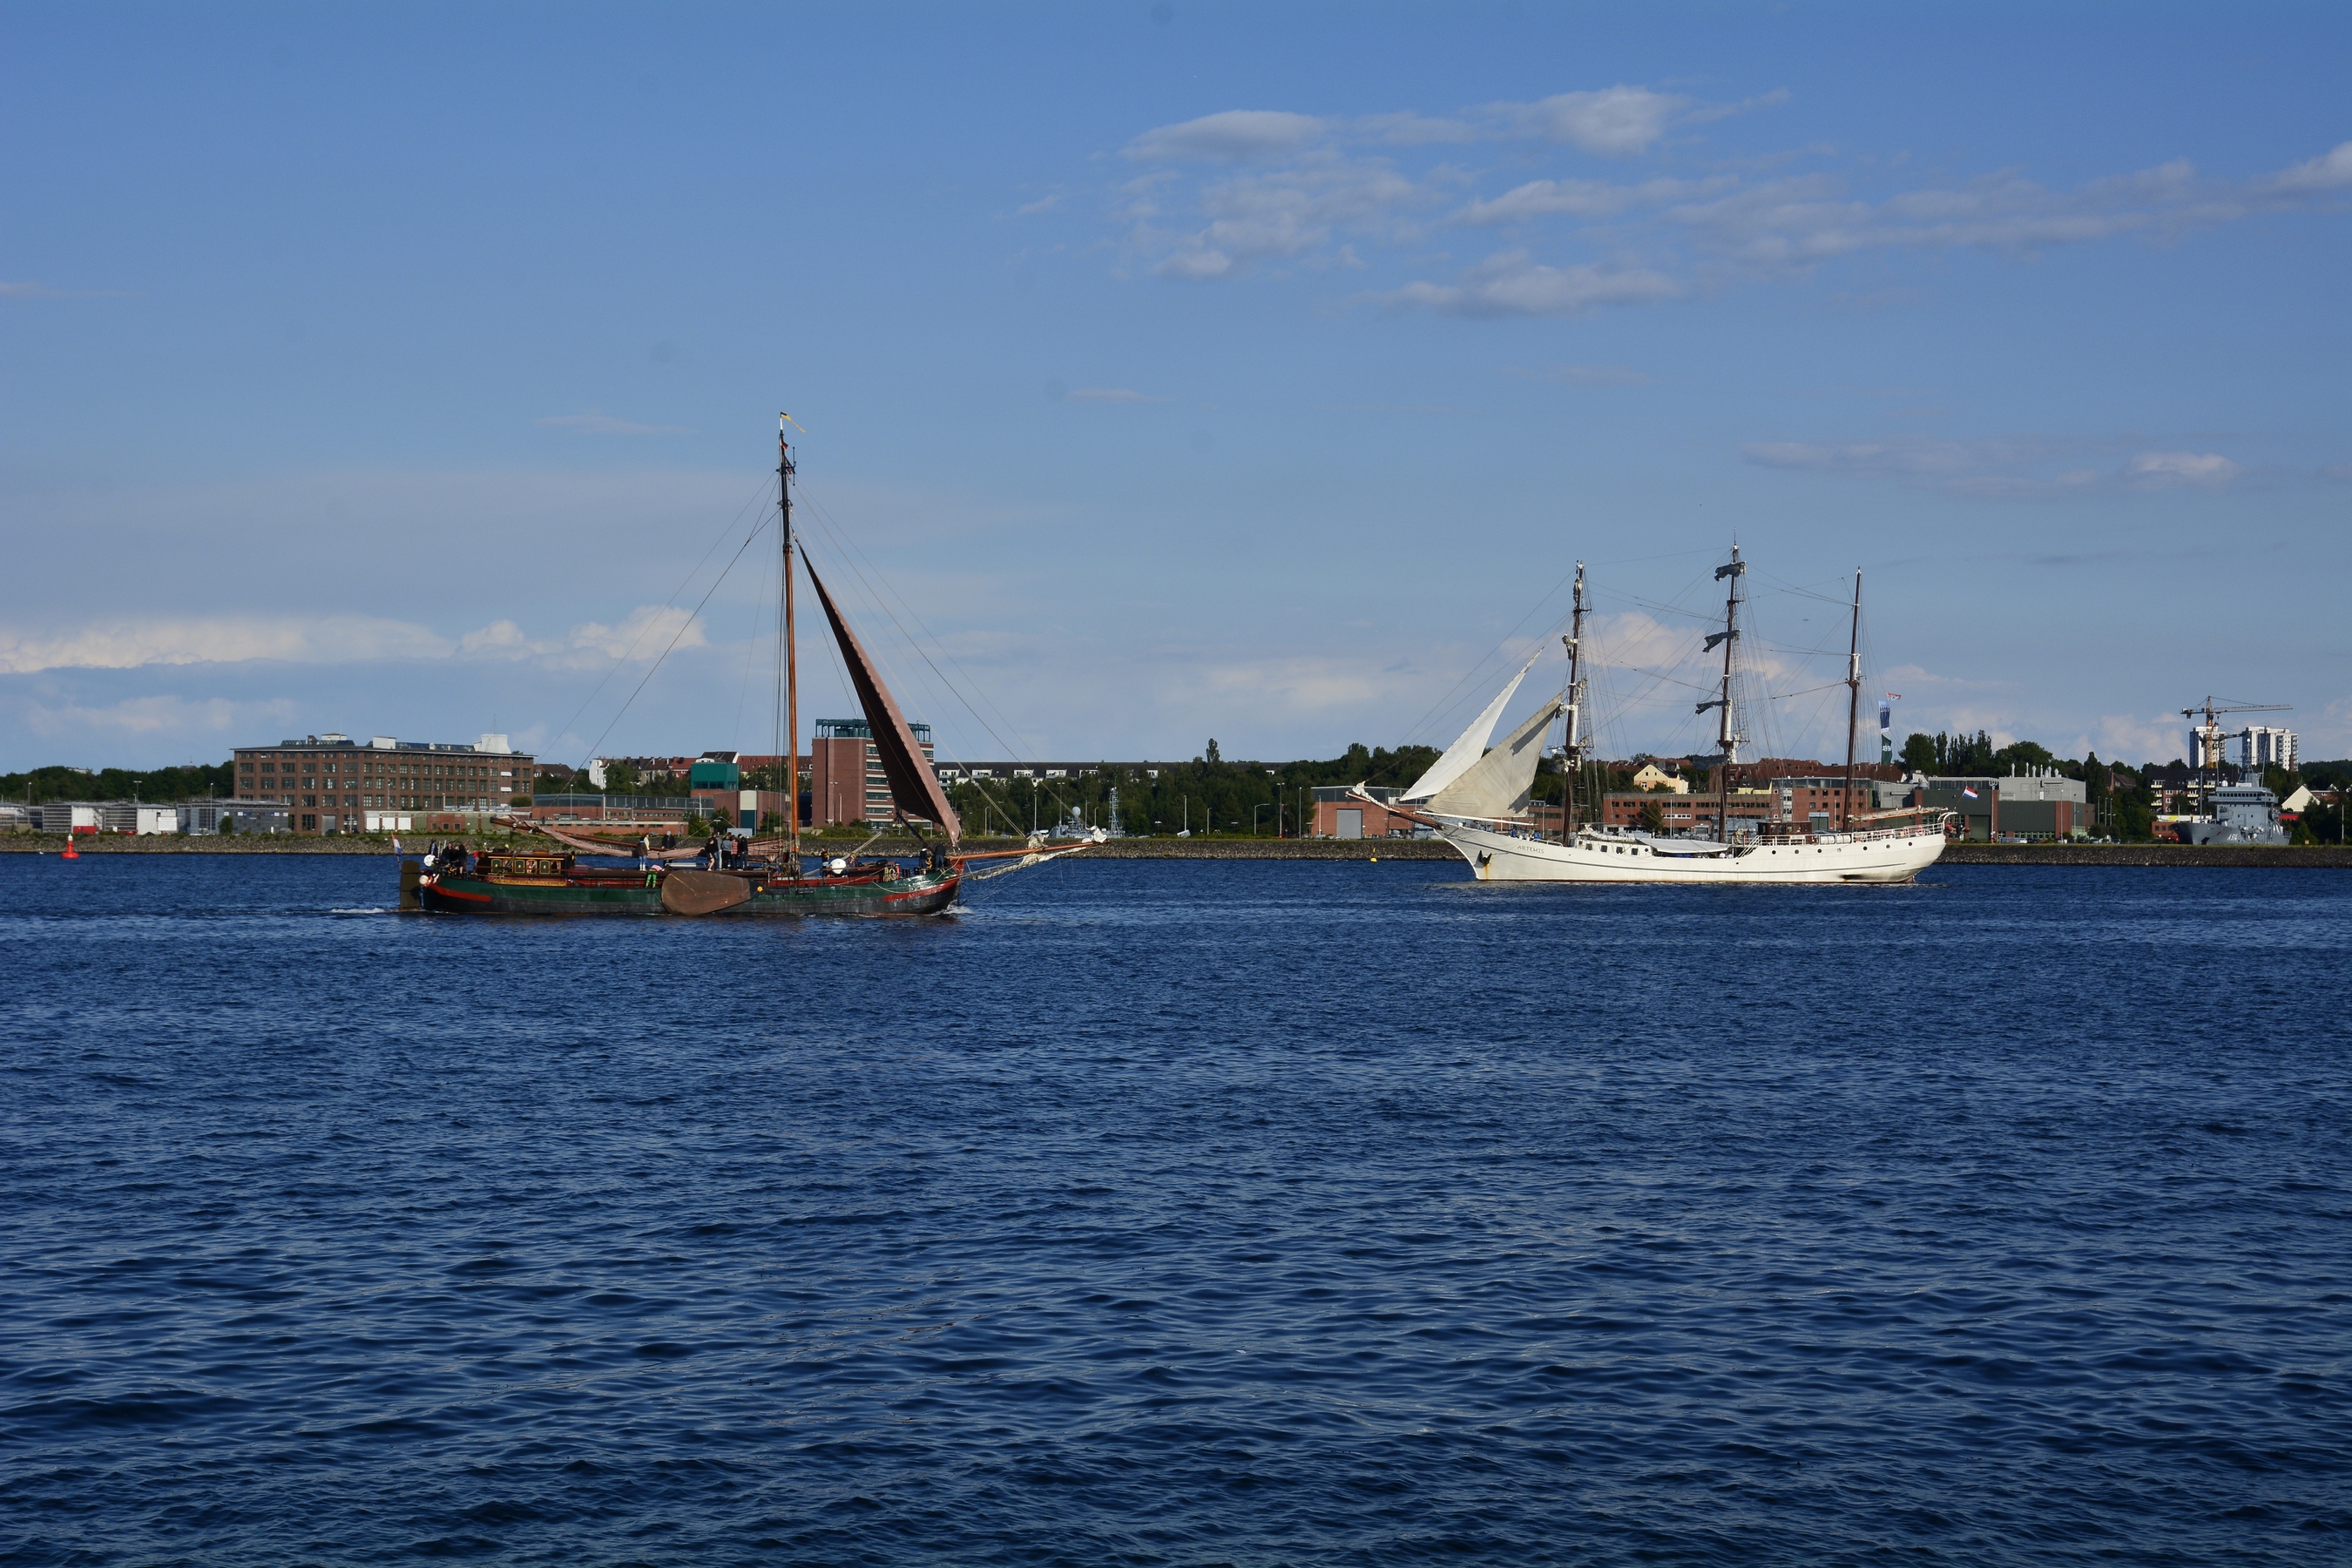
[{"x": 1178, "y": 1213}]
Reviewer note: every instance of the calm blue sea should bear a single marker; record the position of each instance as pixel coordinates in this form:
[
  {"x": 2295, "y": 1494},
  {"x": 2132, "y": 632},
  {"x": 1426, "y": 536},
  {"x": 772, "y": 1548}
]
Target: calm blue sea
[{"x": 1169, "y": 1213}]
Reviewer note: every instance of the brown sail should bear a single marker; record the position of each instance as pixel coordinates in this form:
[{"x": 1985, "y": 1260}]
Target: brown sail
[{"x": 914, "y": 788}]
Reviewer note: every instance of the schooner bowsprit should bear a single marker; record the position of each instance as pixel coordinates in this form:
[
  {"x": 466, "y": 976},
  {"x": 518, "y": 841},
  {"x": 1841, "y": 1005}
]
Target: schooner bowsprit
[
  {"x": 766, "y": 876},
  {"x": 1476, "y": 798}
]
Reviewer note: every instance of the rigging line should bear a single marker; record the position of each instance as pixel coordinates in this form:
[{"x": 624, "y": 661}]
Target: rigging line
[
  {"x": 1656, "y": 675},
  {"x": 868, "y": 576},
  {"x": 732, "y": 524},
  {"x": 743, "y": 695},
  {"x": 1414, "y": 728},
  {"x": 1699, "y": 584},
  {"x": 850, "y": 557},
  {"x": 1781, "y": 696},
  {"x": 1025, "y": 750},
  {"x": 1706, "y": 617},
  {"x": 1805, "y": 589},
  {"x": 1618, "y": 710},
  {"x": 858, "y": 575},
  {"x": 1669, "y": 555},
  {"x": 760, "y": 529}
]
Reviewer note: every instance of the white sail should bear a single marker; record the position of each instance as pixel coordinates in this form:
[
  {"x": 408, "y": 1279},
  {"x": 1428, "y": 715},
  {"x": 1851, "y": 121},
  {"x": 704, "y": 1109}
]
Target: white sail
[
  {"x": 1467, "y": 747},
  {"x": 1498, "y": 784}
]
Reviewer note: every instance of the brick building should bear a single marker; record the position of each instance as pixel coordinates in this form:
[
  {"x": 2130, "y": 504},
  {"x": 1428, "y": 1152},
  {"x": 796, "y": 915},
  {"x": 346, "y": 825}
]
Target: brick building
[
  {"x": 1822, "y": 803},
  {"x": 1339, "y": 814},
  {"x": 846, "y": 782},
  {"x": 1692, "y": 813},
  {"x": 333, "y": 783}
]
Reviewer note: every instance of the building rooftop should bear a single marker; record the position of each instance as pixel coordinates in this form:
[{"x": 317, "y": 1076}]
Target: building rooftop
[{"x": 487, "y": 745}]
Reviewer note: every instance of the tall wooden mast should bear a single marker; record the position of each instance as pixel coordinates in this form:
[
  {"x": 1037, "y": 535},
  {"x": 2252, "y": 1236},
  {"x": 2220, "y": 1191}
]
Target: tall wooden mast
[
  {"x": 792, "y": 650},
  {"x": 1852, "y": 704},
  {"x": 1572, "y": 753}
]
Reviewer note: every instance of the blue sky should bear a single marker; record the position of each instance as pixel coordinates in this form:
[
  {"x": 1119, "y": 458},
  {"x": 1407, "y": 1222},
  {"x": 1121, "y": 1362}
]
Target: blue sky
[{"x": 1185, "y": 371}]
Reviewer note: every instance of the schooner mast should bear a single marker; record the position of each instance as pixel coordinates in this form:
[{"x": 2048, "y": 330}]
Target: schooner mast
[
  {"x": 1571, "y": 753},
  {"x": 1726, "y": 740}
]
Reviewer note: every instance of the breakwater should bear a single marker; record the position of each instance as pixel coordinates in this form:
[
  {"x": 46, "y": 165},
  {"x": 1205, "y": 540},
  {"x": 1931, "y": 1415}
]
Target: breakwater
[
  {"x": 183, "y": 844},
  {"x": 2210, "y": 857}
]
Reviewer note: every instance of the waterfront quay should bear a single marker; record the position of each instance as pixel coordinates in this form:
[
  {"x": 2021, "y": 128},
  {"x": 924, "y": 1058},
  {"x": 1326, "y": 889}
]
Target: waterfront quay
[{"x": 2326, "y": 856}]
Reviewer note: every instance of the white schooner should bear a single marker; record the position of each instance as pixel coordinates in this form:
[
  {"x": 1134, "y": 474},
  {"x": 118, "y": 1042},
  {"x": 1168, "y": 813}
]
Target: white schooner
[{"x": 1477, "y": 797}]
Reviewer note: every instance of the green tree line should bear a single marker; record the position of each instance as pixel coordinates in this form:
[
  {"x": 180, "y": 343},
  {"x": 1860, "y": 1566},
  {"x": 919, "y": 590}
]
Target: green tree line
[
  {"x": 1209, "y": 795},
  {"x": 193, "y": 781}
]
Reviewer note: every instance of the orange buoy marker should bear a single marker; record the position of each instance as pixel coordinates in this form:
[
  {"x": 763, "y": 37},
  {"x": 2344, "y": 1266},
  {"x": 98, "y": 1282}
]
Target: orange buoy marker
[{"x": 72, "y": 853}]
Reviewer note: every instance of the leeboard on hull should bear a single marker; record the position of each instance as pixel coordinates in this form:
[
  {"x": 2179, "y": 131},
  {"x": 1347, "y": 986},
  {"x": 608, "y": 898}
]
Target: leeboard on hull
[{"x": 1881, "y": 856}]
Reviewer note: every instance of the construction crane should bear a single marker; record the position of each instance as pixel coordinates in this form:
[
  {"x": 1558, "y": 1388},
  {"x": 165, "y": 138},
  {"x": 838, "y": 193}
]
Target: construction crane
[{"x": 2208, "y": 737}]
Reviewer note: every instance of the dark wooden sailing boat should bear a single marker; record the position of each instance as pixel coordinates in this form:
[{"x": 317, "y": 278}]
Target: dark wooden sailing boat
[{"x": 767, "y": 877}]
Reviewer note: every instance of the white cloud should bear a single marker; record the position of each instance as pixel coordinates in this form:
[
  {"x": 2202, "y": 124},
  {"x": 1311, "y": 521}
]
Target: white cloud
[
  {"x": 154, "y": 718},
  {"x": 1196, "y": 265},
  {"x": 1408, "y": 130},
  {"x": 1585, "y": 198},
  {"x": 1327, "y": 192},
  {"x": 1634, "y": 641},
  {"x": 500, "y": 639},
  {"x": 1800, "y": 221},
  {"x": 1513, "y": 284},
  {"x": 2131, "y": 739},
  {"x": 641, "y": 637},
  {"x": 1285, "y": 212},
  {"x": 334, "y": 639},
  {"x": 2011, "y": 468},
  {"x": 597, "y": 424},
  {"x": 1235, "y": 136},
  {"x": 2331, "y": 171},
  {"x": 131, "y": 644},
  {"x": 1284, "y": 686},
  {"x": 1614, "y": 122},
  {"x": 2182, "y": 469},
  {"x": 1707, "y": 114}
]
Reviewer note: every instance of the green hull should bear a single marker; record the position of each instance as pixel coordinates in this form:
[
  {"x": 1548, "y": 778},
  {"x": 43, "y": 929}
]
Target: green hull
[{"x": 924, "y": 893}]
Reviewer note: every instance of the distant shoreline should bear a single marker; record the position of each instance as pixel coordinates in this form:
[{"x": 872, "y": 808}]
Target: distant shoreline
[{"x": 2326, "y": 856}]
